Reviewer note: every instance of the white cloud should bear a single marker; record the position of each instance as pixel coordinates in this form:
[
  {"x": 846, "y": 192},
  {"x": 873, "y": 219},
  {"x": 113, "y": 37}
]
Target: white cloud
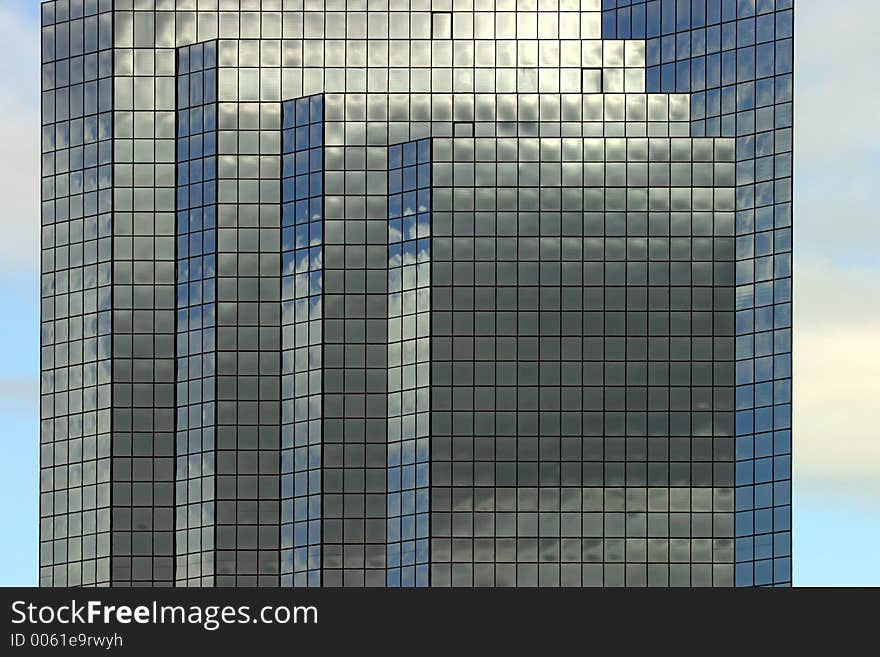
[
  {"x": 19, "y": 396},
  {"x": 836, "y": 78},
  {"x": 837, "y": 278},
  {"x": 20, "y": 136},
  {"x": 837, "y": 378},
  {"x": 837, "y": 136}
]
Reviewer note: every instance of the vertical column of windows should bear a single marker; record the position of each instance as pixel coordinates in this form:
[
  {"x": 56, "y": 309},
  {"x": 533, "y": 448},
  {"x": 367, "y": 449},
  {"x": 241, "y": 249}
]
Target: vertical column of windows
[
  {"x": 75, "y": 322},
  {"x": 196, "y": 313},
  {"x": 302, "y": 284},
  {"x": 144, "y": 350},
  {"x": 248, "y": 314},
  {"x": 762, "y": 115},
  {"x": 409, "y": 323},
  {"x": 356, "y": 335}
]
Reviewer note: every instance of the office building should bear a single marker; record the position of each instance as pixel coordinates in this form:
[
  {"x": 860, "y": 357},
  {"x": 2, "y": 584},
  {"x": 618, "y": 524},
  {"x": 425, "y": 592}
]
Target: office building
[{"x": 412, "y": 293}]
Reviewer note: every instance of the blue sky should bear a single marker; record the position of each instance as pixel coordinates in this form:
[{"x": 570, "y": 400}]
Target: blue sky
[{"x": 837, "y": 287}]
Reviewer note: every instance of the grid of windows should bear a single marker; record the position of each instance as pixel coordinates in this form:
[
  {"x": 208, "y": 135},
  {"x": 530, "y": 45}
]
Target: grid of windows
[
  {"x": 196, "y": 312},
  {"x": 736, "y": 60},
  {"x": 144, "y": 291},
  {"x": 355, "y": 504},
  {"x": 248, "y": 317},
  {"x": 302, "y": 283},
  {"x": 599, "y": 358},
  {"x": 75, "y": 328},
  {"x": 409, "y": 361},
  {"x": 583, "y": 356}
]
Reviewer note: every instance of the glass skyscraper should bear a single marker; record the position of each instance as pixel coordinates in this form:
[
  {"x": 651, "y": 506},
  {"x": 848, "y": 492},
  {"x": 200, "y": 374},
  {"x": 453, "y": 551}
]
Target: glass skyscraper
[{"x": 413, "y": 293}]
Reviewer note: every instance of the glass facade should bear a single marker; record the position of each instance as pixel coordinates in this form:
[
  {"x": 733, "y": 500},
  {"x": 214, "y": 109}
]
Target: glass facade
[
  {"x": 413, "y": 293},
  {"x": 409, "y": 361},
  {"x": 736, "y": 58},
  {"x": 302, "y": 282},
  {"x": 76, "y": 294},
  {"x": 195, "y": 500}
]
